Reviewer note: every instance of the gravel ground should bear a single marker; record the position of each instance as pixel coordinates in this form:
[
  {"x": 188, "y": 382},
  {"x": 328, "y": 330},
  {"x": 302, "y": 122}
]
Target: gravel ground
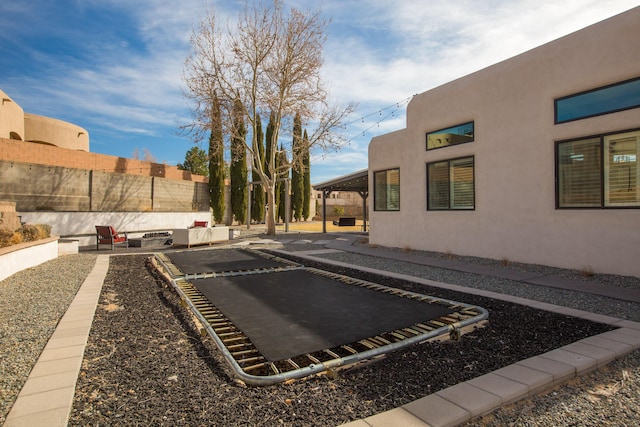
[
  {"x": 145, "y": 364},
  {"x": 32, "y": 302}
]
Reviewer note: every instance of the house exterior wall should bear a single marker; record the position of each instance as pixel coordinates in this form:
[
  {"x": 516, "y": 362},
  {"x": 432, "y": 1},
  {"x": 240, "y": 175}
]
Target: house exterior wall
[
  {"x": 11, "y": 118},
  {"x": 46, "y": 130},
  {"x": 512, "y": 106}
]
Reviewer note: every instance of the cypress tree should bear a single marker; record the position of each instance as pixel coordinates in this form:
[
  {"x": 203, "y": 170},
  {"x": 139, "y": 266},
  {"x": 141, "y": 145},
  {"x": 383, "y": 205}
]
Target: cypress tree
[
  {"x": 216, "y": 164},
  {"x": 257, "y": 196},
  {"x": 306, "y": 177},
  {"x": 268, "y": 148},
  {"x": 238, "y": 169},
  {"x": 297, "y": 197},
  {"x": 281, "y": 161}
]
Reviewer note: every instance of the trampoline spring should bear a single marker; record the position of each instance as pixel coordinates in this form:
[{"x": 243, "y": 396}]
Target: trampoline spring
[
  {"x": 398, "y": 335},
  {"x": 224, "y": 329},
  {"x": 230, "y": 334},
  {"x": 254, "y": 367},
  {"x": 251, "y": 359},
  {"x": 237, "y": 346},
  {"x": 292, "y": 363},
  {"x": 243, "y": 352},
  {"x": 349, "y": 349},
  {"x": 274, "y": 368},
  {"x": 411, "y": 332},
  {"x": 381, "y": 340},
  {"x": 331, "y": 353},
  {"x": 425, "y": 327},
  {"x": 368, "y": 344},
  {"x": 237, "y": 338},
  {"x": 313, "y": 359}
]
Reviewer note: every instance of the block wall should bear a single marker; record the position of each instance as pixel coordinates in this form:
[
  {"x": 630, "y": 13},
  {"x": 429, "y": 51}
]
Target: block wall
[{"x": 34, "y": 187}]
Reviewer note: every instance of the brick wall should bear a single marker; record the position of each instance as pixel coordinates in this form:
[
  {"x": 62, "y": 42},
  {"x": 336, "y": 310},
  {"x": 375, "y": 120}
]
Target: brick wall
[{"x": 27, "y": 152}]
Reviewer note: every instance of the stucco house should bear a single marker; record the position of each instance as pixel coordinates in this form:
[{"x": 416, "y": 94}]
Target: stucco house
[{"x": 533, "y": 159}]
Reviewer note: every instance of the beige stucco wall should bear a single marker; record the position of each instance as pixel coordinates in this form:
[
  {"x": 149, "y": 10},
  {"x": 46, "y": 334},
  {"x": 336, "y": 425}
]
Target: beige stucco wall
[
  {"x": 11, "y": 118},
  {"x": 512, "y": 104},
  {"x": 55, "y": 132}
]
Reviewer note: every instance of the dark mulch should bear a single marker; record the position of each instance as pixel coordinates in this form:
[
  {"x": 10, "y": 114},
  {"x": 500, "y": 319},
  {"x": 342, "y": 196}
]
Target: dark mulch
[{"x": 145, "y": 364}]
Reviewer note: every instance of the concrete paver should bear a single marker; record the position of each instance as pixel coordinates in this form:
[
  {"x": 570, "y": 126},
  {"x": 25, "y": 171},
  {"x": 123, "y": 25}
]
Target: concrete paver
[
  {"x": 581, "y": 364},
  {"x": 617, "y": 347},
  {"x": 602, "y": 356},
  {"x": 560, "y": 371},
  {"x": 508, "y": 390},
  {"x": 535, "y": 380},
  {"x": 47, "y": 396},
  {"x": 473, "y": 399},
  {"x": 436, "y": 411},
  {"x": 397, "y": 417}
]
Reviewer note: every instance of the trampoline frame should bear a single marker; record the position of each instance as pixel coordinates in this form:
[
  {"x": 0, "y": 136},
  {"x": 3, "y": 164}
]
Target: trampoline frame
[{"x": 201, "y": 308}]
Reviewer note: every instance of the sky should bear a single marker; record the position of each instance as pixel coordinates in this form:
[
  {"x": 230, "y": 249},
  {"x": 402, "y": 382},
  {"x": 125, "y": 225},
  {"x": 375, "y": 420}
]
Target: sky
[{"x": 114, "y": 67}]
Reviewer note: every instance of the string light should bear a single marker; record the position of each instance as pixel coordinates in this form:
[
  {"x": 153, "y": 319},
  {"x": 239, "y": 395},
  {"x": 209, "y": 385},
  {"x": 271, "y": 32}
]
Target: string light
[{"x": 395, "y": 106}]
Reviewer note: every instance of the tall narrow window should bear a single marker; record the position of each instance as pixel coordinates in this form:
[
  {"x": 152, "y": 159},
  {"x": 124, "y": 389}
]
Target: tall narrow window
[
  {"x": 579, "y": 178},
  {"x": 600, "y": 171},
  {"x": 450, "y": 184},
  {"x": 387, "y": 190},
  {"x": 621, "y": 171}
]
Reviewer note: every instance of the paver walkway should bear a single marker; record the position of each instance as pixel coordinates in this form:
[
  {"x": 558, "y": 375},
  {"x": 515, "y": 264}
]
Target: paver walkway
[{"x": 47, "y": 396}]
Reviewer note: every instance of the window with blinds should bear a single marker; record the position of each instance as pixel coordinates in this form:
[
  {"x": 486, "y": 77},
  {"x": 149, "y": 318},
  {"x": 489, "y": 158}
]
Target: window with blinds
[
  {"x": 579, "y": 178},
  {"x": 600, "y": 171},
  {"x": 386, "y": 195},
  {"x": 450, "y": 184}
]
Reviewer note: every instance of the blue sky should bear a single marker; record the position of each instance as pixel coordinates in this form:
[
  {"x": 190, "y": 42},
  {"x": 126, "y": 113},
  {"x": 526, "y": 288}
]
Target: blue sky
[{"x": 114, "y": 66}]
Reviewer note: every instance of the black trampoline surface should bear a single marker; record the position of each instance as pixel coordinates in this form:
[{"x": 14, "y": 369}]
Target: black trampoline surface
[
  {"x": 216, "y": 260},
  {"x": 291, "y": 313}
]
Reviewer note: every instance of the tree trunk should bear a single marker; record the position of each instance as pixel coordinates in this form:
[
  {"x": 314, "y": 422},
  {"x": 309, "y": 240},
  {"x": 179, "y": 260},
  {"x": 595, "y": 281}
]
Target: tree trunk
[{"x": 271, "y": 210}]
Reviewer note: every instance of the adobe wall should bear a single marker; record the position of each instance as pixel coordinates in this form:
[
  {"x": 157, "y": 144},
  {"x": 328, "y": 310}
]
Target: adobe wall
[
  {"x": 55, "y": 132},
  {"x": 11, "y": 118},
  {"x": 32, "y": 153}
]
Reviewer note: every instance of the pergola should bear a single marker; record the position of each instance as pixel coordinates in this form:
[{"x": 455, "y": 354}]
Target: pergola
[{"x": 355, "y": 182}]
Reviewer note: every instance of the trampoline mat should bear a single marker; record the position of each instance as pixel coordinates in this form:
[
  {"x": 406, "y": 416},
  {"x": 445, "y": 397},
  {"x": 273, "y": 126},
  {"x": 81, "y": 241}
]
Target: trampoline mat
[
  {"x": 290, "y": 313},
  {"x": 210, "y": 261}
]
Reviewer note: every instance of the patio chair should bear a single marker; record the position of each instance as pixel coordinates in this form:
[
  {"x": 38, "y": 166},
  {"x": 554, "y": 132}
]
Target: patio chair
[{"x": 105, "y": 234}]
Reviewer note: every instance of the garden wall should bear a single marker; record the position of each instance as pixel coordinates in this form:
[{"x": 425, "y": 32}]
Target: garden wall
[
  {"x": 25, "y": 255},
  {"x": 80, "y": 226},
  {"x": 56, "y": 188}
]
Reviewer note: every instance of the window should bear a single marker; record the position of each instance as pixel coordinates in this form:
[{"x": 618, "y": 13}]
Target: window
[
  {"x": 600, "y": 171},
  {"x": 604, "y": 100},
  {"x": 450, "y": 136},
  {"x": 450, "y": 184},
  {"x": 387, "y": 190}
]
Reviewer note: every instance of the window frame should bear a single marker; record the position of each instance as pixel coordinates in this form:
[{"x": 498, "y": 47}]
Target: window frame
[
  {"x": 601, "y": 146},
  {"x": 450, "y": 198},
  {"x": 375, "y": 192},
  {"x": 473, "y": 138},
  {"x": 591, "y": 91}
]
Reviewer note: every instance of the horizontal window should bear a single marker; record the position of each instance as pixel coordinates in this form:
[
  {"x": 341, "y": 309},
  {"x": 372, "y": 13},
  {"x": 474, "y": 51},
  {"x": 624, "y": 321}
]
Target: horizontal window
[
  {"x": 386, "y": 190},
  {"x": 604, "y": 100},
  {"x": 600, "y": 171},
  {"x": 450, "y": 184},
  {"x": 450, "y": 136}
]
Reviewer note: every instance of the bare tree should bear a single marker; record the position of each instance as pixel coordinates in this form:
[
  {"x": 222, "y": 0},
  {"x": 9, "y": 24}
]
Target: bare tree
[{"x": 270, "y": 61}]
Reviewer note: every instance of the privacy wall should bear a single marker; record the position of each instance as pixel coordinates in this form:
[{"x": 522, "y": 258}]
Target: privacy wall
[{"x": 53, "y": 188}]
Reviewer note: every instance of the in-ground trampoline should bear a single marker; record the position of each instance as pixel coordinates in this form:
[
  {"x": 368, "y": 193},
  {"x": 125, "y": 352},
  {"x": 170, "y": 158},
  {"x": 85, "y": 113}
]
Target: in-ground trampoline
[{"x": 275, "y": 320}]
